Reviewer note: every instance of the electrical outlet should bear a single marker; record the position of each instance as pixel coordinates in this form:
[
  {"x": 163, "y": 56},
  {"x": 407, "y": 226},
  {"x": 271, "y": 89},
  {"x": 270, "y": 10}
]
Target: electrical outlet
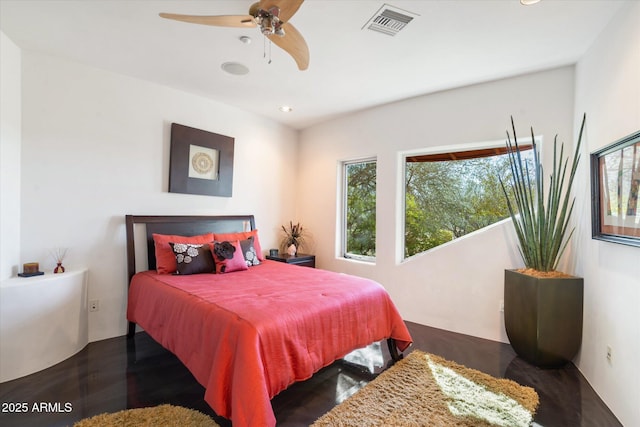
[
  {"x": 501, "y": 306},
  {"x": 609, "y": 354},
  {"x": 94, "y": 305}
]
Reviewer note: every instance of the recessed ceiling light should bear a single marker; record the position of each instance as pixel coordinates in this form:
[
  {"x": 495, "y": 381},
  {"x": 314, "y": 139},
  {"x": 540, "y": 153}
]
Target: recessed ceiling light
[
  {"x": 528, "y": 2},
  {"x": 235, "y": 68},
  {"x": 285, "y": 109}
]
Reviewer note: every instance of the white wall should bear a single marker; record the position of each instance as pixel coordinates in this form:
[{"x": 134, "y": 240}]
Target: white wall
[
  {"x": 96, "y": 147},
  {"x": 608, "y": 90},
  {"x": 456, "y": 287},
  {"x": 10, "y": 135}
]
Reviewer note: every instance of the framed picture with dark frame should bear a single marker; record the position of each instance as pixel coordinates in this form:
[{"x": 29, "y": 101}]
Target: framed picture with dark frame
[
  {"x": 201, "y": 162},
  {"x": 615, "y": 181}
]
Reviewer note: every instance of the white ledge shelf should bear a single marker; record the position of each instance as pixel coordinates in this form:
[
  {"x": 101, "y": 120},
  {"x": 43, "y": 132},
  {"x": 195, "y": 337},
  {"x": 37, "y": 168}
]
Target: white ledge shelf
[{"x": 43, "y": 321}]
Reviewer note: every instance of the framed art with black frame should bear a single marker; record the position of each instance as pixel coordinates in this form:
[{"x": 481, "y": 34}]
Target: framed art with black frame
[
  {"x": 201, "y": 162},
  {"x": 615, "y": 181}
]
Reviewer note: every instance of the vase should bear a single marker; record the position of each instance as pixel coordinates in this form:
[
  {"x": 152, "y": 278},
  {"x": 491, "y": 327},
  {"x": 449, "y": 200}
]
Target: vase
[
  {"x": 543, "y": 317},
  {"x": 59, "y": 268},
  {"x": 292, "y": 250}
]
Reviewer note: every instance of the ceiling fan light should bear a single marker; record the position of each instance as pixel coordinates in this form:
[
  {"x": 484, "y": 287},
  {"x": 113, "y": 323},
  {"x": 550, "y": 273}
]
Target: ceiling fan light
[{"x": 267, "y": 27}]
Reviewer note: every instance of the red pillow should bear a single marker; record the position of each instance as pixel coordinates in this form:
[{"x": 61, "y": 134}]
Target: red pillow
[
  {"x": 228, "y": 256},
  {"x": 242, "y": 235},
  {"x": 165, "y": 258}
]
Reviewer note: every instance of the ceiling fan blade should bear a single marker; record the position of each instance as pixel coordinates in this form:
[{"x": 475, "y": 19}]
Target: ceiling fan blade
[
  {"x": 293, "y": 43},
  {"x": 218, "y": 21},
  {"x": 287, "y": 7}
]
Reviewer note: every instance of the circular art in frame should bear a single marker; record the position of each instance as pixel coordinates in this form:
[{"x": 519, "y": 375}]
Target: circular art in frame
[{"x": 203, "y": 162}]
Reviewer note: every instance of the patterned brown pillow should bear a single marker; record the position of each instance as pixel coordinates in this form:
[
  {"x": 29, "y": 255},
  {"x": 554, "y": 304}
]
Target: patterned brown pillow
[
  {"x": 249, "y": 252},
  {"x": 193, "y": 258}
]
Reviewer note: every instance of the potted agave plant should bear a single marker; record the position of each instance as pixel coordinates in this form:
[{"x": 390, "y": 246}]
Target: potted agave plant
[{"x": 542, "y": 307}]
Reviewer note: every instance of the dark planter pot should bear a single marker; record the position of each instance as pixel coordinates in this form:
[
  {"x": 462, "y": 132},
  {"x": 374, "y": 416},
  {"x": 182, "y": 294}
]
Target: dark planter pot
[{"x": 543, "y": 317}]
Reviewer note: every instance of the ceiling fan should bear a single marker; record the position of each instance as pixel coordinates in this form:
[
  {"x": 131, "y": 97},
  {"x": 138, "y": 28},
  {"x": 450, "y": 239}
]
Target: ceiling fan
[{"x": 271, "y": 16}]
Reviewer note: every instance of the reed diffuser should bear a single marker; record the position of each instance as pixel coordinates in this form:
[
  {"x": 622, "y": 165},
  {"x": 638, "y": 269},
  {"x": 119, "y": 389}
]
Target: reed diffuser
[{"x": 58, "y": 255}]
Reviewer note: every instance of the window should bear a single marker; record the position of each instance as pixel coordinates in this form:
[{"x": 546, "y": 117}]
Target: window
[
  {"x": 449, "y": 195},
  {"x": 359, "y": 215}
]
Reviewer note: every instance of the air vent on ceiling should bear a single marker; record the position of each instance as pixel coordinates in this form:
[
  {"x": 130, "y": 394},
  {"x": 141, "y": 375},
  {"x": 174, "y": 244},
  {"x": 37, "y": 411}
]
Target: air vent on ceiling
[{"x": 389, "y": 20}]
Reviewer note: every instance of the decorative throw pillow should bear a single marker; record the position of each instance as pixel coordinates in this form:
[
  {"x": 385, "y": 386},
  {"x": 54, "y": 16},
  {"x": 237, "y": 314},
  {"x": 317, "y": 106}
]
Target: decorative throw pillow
[
  {"x": 165, "y": 258},
  {"x": 249, "y": 252},
  {"x": 228, "y": 256},
  {"x": 242, "y": 235},
  {"x": 192, "y": 258}
]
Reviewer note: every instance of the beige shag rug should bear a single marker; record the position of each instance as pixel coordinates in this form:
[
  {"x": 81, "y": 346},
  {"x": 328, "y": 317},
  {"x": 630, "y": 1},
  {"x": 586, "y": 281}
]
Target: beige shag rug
[
  {"x": 427, "y": 390},
  {"x": 163, "y": 415}
]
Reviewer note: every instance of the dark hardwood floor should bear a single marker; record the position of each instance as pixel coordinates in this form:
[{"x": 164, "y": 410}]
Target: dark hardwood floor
[{"x": 115, "y": 374}]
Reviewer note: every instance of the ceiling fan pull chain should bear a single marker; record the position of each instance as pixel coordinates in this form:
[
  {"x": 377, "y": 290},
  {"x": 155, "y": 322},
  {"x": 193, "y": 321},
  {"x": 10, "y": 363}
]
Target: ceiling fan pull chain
[{"x": 264, "y": 49}]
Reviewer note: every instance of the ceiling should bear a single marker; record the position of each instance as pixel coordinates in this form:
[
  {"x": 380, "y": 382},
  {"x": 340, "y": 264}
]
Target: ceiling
[{"x": 450, "y": 43}]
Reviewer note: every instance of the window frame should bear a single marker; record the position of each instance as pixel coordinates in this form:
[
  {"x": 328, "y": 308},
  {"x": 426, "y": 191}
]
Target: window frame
[{"x": 343, "y": 254}]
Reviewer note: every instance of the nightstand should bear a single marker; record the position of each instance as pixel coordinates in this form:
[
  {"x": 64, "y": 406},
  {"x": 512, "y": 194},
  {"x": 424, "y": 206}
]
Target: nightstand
[{"x": 304, "y": 260}]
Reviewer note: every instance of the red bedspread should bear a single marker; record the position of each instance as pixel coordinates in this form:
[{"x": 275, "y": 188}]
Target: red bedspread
[{"x": 248, "y": 335}]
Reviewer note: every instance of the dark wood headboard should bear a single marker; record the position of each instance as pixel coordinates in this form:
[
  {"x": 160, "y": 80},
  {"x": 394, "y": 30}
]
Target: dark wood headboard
[{"x": 180, "y": 225}]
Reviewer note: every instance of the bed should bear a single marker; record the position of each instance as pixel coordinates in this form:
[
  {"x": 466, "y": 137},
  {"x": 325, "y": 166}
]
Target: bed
[{"x": 247, "y": 335}]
